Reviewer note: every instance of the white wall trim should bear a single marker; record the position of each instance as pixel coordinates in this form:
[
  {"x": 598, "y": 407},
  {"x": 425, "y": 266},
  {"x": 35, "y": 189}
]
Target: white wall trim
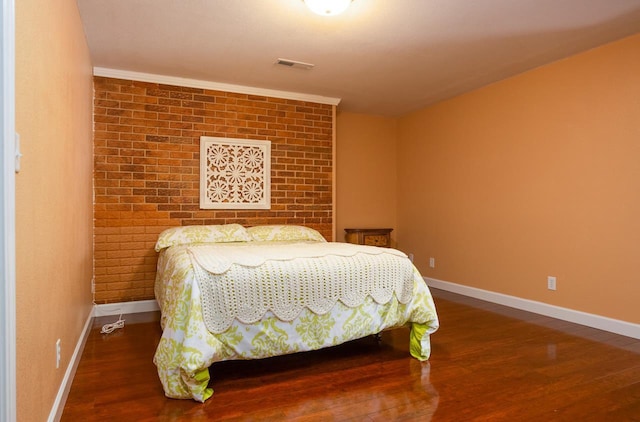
[
  {"x": 125, "y": 308},
  {"x": 8, "y": 407},
  {"x": 63, "y": 392},
  {"x": 595, "y": 321},
  {"x": 215, "y": 86}
]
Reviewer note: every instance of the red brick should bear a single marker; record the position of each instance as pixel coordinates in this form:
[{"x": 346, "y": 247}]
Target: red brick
[{"x": 147, "y": 170}]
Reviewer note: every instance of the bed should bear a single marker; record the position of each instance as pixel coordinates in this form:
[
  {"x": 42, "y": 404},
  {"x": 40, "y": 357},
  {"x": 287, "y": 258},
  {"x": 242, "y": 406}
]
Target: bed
[{"x": 227, "y": 292}]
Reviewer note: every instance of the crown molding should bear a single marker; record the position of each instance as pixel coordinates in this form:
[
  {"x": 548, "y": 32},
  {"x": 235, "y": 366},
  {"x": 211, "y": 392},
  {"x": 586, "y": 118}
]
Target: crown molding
[{"x": 215, "y": 86}]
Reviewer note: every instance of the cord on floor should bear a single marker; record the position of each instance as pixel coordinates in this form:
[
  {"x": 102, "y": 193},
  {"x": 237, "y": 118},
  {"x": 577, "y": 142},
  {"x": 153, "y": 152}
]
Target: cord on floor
[{"x": 109, "y": 328}]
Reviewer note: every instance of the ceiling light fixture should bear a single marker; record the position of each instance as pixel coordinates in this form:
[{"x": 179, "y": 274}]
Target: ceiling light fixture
[{"x": 327, "y": 7}]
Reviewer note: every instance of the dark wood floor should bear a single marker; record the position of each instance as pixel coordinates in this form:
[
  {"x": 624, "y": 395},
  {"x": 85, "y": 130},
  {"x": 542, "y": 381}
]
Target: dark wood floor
[{"x": 488, "y": 363}]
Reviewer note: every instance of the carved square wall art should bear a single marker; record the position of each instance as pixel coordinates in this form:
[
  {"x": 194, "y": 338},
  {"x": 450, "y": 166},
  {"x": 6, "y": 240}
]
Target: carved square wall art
[{"x": 235, "y": 173}]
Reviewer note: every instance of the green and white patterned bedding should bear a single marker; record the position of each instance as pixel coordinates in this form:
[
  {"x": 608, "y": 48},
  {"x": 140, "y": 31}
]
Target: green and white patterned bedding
[{"x": 187, "y": 348}]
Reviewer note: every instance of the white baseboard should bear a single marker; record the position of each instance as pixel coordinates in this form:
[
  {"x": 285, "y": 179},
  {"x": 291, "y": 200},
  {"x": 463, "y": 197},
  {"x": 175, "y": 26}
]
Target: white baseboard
[
  {"x": 125, "y": 308},
  {"x": 590, "y": 320},
  {"x": 65, "y": 386}
]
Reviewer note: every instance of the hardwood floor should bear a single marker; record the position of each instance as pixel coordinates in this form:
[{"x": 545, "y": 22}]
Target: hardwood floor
[{"x": 488, "y": 363}]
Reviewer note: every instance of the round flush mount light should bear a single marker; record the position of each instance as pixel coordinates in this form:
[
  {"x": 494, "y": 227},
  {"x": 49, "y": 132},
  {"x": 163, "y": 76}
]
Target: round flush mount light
[{"x": 327, "y": 7}]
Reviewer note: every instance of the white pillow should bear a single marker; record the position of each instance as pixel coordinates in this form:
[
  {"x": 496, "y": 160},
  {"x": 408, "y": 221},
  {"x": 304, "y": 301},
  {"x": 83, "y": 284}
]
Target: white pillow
[
  {"x": 202, "y": 234},
  {"x": 284, "y": 232}
]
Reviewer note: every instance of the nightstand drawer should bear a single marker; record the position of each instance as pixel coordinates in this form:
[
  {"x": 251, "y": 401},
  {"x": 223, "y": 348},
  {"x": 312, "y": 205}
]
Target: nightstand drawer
[
  {"x": 371, "y": 237},
  {"x": 376, "y": 240}
]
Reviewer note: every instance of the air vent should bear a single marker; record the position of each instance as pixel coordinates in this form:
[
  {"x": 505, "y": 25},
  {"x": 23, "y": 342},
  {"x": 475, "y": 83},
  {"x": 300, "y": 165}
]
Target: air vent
[{"x": 295, "y": 63}]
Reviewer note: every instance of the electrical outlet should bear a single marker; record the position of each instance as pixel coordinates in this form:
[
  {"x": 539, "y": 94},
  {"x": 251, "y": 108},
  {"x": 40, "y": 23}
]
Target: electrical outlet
[
  {"x": 57, "y": 353},
  {"x": 551, "y": 283},
  {"x": 432, "y": 262}
]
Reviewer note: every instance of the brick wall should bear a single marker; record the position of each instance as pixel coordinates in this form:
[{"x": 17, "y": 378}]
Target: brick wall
[{"x": 146, "y": 170}]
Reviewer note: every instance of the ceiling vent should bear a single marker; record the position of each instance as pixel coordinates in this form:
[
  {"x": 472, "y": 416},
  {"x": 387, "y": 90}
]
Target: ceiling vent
[{"x": 295, "y": 63}]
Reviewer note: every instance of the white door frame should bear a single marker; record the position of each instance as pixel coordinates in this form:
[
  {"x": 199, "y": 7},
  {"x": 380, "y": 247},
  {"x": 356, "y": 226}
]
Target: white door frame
[{"x": 7, "y": 215}]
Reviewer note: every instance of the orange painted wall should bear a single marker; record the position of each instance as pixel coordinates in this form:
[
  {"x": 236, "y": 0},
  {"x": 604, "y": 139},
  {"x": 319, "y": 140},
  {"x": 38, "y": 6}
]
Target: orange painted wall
[
  {"x": 533, "y": 176},
  {"x": 365, "y": 172},
  {"x": 54, "y": 227}
]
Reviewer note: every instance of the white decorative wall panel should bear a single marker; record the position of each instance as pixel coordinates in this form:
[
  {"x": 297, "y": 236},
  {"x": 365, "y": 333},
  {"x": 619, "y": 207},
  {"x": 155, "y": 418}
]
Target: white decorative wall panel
[{"x": 235, "y": 173}]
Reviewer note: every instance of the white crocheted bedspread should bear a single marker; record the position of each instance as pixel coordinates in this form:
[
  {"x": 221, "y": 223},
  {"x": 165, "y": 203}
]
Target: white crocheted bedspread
[{"x": 245, "y": 281}]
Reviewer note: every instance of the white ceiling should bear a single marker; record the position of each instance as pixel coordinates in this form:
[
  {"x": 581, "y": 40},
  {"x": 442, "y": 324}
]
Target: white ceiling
[{"x": 386, "y": 57}]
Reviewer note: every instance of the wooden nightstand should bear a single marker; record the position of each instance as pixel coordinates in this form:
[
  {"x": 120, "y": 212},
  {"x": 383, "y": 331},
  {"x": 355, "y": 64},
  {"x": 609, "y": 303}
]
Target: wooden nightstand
[{"x": 372, "y": 237}]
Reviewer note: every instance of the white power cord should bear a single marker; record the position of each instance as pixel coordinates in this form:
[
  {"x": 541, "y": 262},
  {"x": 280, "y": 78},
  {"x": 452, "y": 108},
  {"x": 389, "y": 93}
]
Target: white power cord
[{"x": 109, "y": 328}]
